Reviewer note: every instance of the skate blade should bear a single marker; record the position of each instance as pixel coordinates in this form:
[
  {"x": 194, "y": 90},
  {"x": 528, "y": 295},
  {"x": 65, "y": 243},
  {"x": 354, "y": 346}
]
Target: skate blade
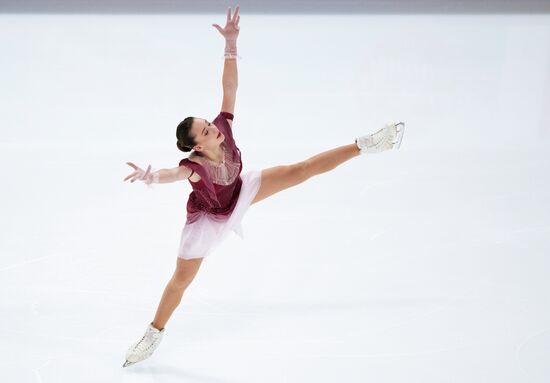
[
  {"x": 128, "y": 363},
  {"x": 400, "y": 133}
]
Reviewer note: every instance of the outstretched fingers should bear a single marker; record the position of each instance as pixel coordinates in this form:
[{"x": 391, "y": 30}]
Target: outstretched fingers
[
  {"x": 137, "y": 174},
  {"x": 130, "y": 176},
  {"x": 236, "y": 14}
]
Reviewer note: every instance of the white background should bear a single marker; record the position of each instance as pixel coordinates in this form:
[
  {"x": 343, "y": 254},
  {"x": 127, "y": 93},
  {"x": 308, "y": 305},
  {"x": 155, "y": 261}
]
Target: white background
[{"x": 427, "y": 264}]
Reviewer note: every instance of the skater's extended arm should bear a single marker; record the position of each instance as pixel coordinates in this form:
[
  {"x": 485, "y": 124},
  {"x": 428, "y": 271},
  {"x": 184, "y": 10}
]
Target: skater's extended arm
[
  {"x": 230, "y": 79},
  {"x": 161, "y": 176},
  {"x": 175, "y": 174}
]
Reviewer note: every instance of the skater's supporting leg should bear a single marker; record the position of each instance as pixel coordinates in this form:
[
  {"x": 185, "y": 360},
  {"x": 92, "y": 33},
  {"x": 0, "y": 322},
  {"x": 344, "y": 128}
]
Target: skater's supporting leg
[
  {"x": 186, "y": 269},
  {"x": 282, "y": 177}
]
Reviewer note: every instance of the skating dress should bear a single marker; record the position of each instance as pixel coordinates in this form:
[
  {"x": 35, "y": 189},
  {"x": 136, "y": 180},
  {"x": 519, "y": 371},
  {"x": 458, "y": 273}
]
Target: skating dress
[{"x": 220, "y": 199}]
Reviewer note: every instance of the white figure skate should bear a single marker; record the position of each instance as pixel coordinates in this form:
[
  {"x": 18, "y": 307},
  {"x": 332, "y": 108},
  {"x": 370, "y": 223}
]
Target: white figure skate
[
  {"x": 387, "y": 138},
  {"x": 144, "y": 348}
]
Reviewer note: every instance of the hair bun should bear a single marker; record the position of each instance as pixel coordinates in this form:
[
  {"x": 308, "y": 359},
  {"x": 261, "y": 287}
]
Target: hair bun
[{"x": 182, "y": 147}]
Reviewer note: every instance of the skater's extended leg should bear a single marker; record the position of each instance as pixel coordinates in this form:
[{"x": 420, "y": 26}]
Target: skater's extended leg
[
  {"x": 278, "y": 178},
  {"x": 186, "y": 269},
  {"x": 325, "y": 161}
]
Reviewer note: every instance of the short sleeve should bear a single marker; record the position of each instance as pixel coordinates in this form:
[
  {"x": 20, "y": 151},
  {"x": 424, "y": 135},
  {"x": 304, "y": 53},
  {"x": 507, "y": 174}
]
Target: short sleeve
[
  {"x": 221, "y": 122},
  {"x": 185, "y": 162},
  {"x": 227, "y": 115}
]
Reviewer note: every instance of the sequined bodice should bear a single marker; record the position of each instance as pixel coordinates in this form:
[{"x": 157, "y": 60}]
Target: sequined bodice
[{"x": 221, "y": 174}]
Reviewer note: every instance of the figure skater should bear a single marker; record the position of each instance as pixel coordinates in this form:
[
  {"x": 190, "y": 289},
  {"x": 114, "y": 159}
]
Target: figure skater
[{"x": 221, "y": 195}]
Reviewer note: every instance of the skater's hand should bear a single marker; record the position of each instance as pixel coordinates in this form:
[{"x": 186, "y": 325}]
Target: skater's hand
[
  {"x": 140, "y": 174},
  {"x": 231, "y": 30}
]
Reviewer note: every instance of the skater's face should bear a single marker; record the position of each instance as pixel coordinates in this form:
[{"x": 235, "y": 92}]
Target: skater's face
[{"x": 206, "y": 134}]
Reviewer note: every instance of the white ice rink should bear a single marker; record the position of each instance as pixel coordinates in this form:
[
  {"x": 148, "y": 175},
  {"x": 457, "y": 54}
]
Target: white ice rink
[{"x": 427, "y": 264}]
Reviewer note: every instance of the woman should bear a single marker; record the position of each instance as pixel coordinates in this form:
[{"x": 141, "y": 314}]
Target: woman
[{"x": 221, "y": 196}]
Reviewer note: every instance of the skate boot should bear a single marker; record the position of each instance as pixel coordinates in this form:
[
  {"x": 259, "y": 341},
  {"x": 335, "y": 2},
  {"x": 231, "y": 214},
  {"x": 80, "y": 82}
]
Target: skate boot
[
  {"x": 387, "y": 138},
  {"x": 144, "y": 348}
]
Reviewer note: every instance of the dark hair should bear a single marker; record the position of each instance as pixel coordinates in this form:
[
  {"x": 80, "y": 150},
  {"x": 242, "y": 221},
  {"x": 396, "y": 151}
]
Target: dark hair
[{"x": 185, "y": 141}]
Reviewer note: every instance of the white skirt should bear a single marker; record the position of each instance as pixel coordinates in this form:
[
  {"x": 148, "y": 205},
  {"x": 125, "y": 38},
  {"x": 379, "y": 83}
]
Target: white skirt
[{"x": 199, "y": 238}]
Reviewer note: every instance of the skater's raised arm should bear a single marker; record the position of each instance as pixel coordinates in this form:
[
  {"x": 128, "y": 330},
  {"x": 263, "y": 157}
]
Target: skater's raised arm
[
  {"x": 230, "y": 79},
  {"x": 229, "y": 86},
  {"x": 161, "y": 176}
]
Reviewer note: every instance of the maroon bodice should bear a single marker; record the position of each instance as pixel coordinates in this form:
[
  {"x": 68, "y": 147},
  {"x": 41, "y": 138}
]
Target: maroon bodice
[{"x": 218, "y": 189}]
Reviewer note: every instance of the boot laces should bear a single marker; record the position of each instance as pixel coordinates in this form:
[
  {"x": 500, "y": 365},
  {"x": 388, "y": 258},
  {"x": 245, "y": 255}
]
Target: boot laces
[
  {"x": 146, "y": 342},
  {"x": 385, "y": 137}
]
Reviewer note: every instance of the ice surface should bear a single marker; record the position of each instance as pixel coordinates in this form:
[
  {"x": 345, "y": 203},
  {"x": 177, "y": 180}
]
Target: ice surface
[{"x": 427, "y": 264}]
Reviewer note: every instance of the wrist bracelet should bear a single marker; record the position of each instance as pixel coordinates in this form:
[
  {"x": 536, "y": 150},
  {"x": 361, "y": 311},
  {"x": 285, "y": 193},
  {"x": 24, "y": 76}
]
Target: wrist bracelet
[
  {"x": 156, "y": 176},
  {"x": 231, "y": 56}
]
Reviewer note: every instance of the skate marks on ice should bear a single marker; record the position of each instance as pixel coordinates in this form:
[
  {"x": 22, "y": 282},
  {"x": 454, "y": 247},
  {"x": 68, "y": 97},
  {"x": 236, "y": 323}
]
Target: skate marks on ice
[
  {"x": 36, "y": 371},
  {"x": 156, "y": 370},
  {"x": 517, "y": 235},
  {"x": 535, "y": 368},
  {"x": 445, "y": 305},
  {"x": 27, "y": 262}
]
